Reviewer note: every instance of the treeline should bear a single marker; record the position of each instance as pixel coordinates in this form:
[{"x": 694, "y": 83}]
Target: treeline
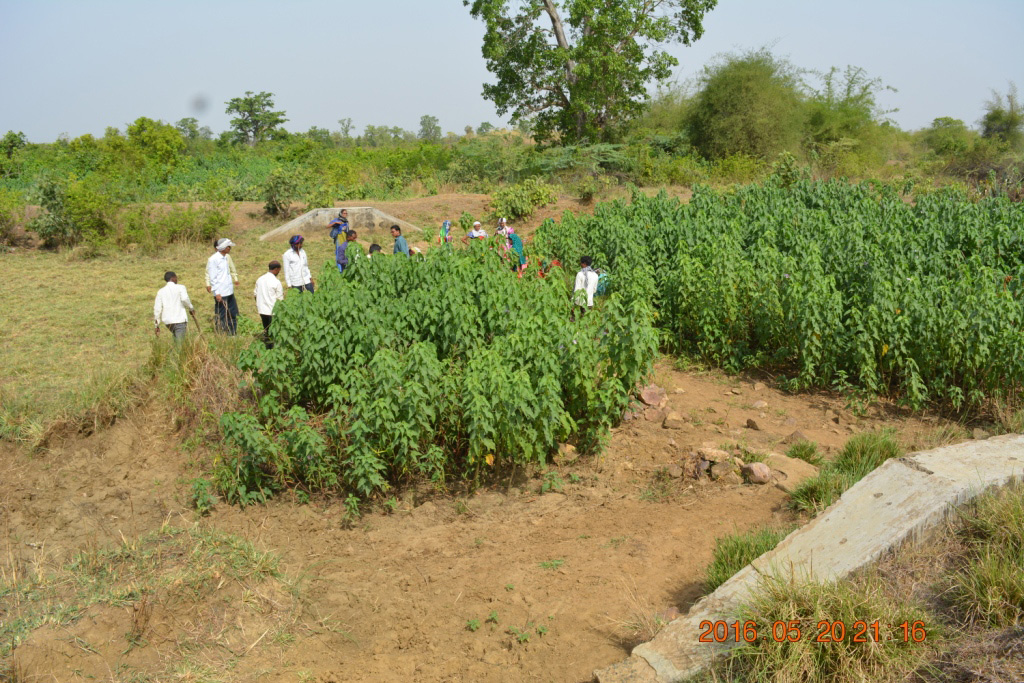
[{"x": 747, "y": 115}]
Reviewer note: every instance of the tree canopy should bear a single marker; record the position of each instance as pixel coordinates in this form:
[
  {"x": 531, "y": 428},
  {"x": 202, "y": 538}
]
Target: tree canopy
[
  {"x": 579, "y": 69},
  {"x": 255, "y": 120}
]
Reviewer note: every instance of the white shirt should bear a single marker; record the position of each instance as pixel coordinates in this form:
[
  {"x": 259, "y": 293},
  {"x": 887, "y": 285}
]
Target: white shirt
[
  {"x": 268, "y": 292},
  {"x": 586, "y": 281},
  {"x": 231, "y": 267},
  {"x": 473, "y": 234},
  {"x": 296, "y": 268},
  {"x": 219, "y": 275},
  {"x": 172, "y": 305}
]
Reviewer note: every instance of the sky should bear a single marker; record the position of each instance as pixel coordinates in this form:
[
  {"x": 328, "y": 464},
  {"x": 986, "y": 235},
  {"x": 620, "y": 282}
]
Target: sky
[{"x": 74, "y": 67}]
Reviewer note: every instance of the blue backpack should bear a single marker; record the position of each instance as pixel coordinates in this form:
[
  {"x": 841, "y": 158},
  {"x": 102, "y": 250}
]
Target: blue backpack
[{"x": 602, "y": 283}]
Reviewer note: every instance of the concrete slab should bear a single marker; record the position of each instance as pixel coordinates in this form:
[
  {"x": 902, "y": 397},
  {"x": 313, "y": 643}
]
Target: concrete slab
[
  {"x": 363, "y": 219},
  {"x": 895, "y": 504}
]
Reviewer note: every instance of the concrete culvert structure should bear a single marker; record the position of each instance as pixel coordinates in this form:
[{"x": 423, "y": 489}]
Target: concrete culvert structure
[{"x": 365, "y": 220}]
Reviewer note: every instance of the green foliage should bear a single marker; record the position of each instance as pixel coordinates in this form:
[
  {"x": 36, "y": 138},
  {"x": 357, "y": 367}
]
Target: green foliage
[
  {"x": 579, "y": 69},
  {"x": 947, "y": 136},
  {"x": 472, "y": 625},
  {"x": 403, "y": 369},
  {"x": 520, "y": 201},
  {"x": 12, "y": 212},
  {"x": 551, "y": 482},
  {"x": 201, "y": 496},
  {"x": 73, "y": 211},
  {"x": 429, "y": 129},
  {"x": 1004, "y": 119},
  {"x": 153, "y": 229},
  {"x": 734, "y": 552},
  {"x": 278, "y": 191},
  {"x": 748, "y": 104},
  {"x": 12, "y": 142},
  {"x": 823, "y": 281},
  {"x": 254, "y": 121}
]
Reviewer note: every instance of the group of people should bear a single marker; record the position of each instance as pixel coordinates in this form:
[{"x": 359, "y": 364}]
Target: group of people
[{"x": 173, "y": 306}]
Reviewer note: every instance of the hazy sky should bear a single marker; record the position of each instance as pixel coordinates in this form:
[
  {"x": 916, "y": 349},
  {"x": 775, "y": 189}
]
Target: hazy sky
[{"x": 78, "y": 66}]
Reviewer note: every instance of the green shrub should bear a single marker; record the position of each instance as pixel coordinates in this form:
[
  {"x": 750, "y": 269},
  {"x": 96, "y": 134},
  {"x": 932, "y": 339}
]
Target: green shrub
[
  {"x": 73, "y": 211},
  {"x": 736, "y": 551},
  {"x": 278, "y": 191},
  {"x": 521, "y": 200},
  {"x": 448, "y": 366},
  {"x": 12, "y": 210},
  {"x": 152, "y": 230}
]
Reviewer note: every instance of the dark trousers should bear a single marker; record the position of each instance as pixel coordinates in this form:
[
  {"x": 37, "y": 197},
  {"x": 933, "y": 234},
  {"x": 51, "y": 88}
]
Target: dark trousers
[
  {"x": 226, "y": 311},
  {"x": 308, "y": 287},
  {"x": 265, "y": 319}
]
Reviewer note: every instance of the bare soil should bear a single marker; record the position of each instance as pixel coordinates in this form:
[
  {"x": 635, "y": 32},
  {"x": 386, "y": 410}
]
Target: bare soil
[{"x": 570, "y": 568}]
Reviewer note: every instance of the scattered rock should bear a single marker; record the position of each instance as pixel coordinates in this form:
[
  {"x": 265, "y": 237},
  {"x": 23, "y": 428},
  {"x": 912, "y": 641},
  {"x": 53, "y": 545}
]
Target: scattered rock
[
  {"x": 714, "y": 454},
  {"x": 738, "y": 462},
  {"x": 790, "y": 422},
  {"x": 654, "y": 415},
  {"x": 790, "y": 472},
  {"x": 732, "y": 478},
  {"x": 672, "y": 443},
  {"x": 760, "y": 405},
  {"x": 980, "y": 434},
  {"x": 709, "y": 409},
  {"x": 701, "y": 468},
  {"x": 831, "y": 416},
  {"x": 674, "y": 420},
  {"x": 631, "y": 414},
  {"x": 721, "y": 469},
  {"x": 795, "y": 437},
  {"x": 679, "y": 391},
  {"x": 567, "y": 453},
  {"x": 758, "y": 386},
  {"x": 757, "y": 473},
  {"x": 674, "y": 471},
  {"x": 653, "y": 395},
  {"x": 751, "y": 424},
  {"x": 736, "y": 392}
]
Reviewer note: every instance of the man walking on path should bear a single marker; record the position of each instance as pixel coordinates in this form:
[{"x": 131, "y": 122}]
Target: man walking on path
[
  {"x": 341, "y": 251},
  {"x": 586, "y": 285},
  {"x": 268, "y": 292},
  {"x": 401, "y": 246},
  {"x": 222, "y": 287},
  {"x": 339, "y": 226},
  {"x": 296, "y": 266},
  {"x": 170, "y": 308}
]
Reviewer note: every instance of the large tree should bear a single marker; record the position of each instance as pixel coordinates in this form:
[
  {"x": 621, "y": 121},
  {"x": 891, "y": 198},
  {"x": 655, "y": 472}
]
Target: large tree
[
  {"x": 580, "y": 68},
  {"x": 255, "y": 119}
]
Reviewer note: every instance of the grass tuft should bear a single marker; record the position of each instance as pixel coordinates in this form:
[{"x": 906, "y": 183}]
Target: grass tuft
[
  {"x": 804, "y": 660},
  {"x": 988, "y": 586},
  {"x": 736, "y": 551},
  {"x": 860, "y": 456},
  {"x": 806, "y": 451}
]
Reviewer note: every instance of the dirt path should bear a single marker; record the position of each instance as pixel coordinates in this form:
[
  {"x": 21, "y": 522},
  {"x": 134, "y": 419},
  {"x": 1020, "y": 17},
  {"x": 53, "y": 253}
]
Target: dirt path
[{"x": 410, "y": 595}]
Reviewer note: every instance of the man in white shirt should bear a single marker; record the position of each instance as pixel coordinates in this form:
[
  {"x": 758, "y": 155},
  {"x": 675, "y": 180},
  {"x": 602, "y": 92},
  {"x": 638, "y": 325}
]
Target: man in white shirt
[
  {"x": 586, "y": 285},
  {"x": 170, "y": 308},
  {"x": 296, "y": 266},
  {"x": 268, "y": 292},
  {"x": 476, "y": 232},
  {"x": 222, "y": 287}
]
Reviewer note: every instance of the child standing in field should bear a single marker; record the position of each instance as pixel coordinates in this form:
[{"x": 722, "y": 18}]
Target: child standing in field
[
  {"x": 586, "y": 285},
  {"x": 296, "y": 266},
  {"x": 268, "y": 292},
  {"x": 341, "y": 251}
]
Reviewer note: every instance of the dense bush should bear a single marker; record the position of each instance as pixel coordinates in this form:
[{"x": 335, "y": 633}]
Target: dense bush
[
  {"x": 150, "y": 229},
  {"x": 12, "y": 211},
  {"x": 443, "y": 366},
  {"x": 521, "y": 200},
  {"x": 831, "y": 283}
]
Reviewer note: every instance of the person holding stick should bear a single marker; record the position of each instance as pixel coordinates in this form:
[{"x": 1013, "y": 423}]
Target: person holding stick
[
  {"x": 169, "y": 308},
  {"x": 225, "y": 307}
]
